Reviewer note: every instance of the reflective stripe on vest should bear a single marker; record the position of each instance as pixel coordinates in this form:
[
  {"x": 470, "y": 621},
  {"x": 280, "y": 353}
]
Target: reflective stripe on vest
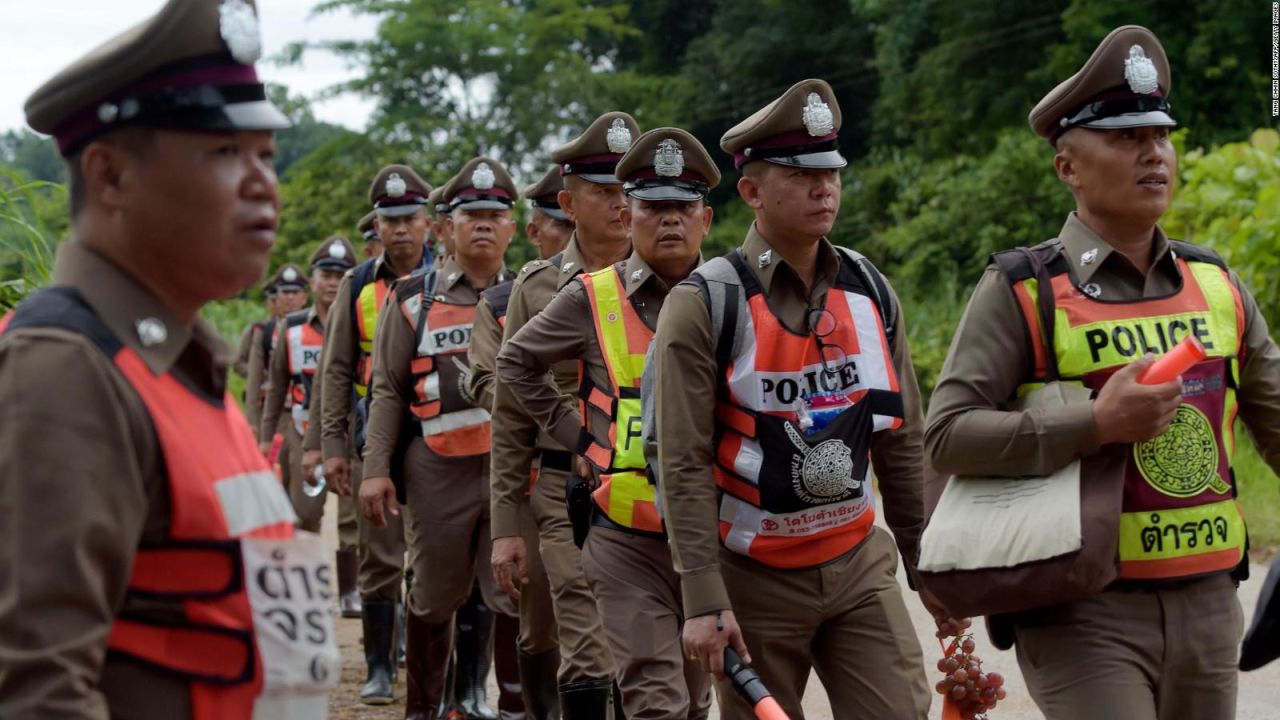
[
  {"x": 368, "y": 303},
  {"x": 625, "y": 494},
  {"x": 451, "y": 425},
  {"x": 1180, "y": 517},
  {"x": 303, "y": 342},
  {"x": 788, "y": 500},
  {"x": 220, "y": 490}
]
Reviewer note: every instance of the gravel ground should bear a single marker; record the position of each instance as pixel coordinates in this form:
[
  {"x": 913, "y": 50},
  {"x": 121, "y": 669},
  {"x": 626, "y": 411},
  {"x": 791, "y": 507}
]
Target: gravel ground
[{"x": 1259, "y": 690}]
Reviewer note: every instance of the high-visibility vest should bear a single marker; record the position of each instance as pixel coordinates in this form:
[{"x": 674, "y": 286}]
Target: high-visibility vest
[
  {"x": 368, "y": 294},
  {"x": 497, "y": 298},
  {"x": 303, "y": 344},
  {"x": 625, "y": 496},
  {"x": 788, "y": 499},
  {"x": 1180, "y": 517},
  {"x": 225, "y": 507},
  {"x": 451, "y": 424}
]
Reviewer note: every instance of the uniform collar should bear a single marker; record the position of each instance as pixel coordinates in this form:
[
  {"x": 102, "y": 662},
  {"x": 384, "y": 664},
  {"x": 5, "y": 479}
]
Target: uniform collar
[
  {"x": 1086, "y": 251},
  {"x": 451, "y": 274},
  {"x": 313, "y": 316},
  {"x": 381, "y": 267},
  {"x": 765, "y": 262},
  {"x": 637, "y": 273},
  {"x": 570, "y": 262},
  {"x": 130, "y": 311}
]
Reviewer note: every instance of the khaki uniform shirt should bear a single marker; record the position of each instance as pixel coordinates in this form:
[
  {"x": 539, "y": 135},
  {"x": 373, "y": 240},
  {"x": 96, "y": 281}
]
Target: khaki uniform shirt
[
  {"x": 512, "y": 456},
  {"x": 394, "y": 350},
  {"x": 564, "y": 331},
  {"x": 241, "y": 365},
  {"x": 687, "y": 378},
  {"x": 969, "y": 430},
  {"x": 486, "y": 340},
  {"x": 339, "y": 359},
  {"x": 254, "y": 396},
  {"x": 82, "y": 484},
  {"x": 278, "y": 381}
]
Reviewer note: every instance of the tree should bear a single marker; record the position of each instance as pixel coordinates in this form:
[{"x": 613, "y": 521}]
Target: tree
[{"x": 36, "y": 156}]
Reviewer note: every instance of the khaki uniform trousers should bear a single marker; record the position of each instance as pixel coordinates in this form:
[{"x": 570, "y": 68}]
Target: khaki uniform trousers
[
  {"x": 638, "y": 594},
  {"x": 348, "y": 524},
  {"x": 846, "y": 620},
  {"x": 310, "y": 510},
  {"x": 448, "y": 499},
  {"x": 584, "y": 652},
  {"x": 1136, "y": 654},
  {"x": 381, "y": 550},
  {"x": 538, "y": 632}
]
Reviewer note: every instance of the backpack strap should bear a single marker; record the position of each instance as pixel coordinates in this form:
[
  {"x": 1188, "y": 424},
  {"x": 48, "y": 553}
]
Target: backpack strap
[
  {"x": 61, "y": 306},
  {"x": 1197, "y": 253},
  {"x": 878, "y": 288},
  {"x": 1041, "y": 262}
]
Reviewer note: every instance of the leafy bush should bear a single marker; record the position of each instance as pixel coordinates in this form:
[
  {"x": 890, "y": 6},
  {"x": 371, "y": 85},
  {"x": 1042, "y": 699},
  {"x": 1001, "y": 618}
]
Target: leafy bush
[{"x": 32, "y": 217}]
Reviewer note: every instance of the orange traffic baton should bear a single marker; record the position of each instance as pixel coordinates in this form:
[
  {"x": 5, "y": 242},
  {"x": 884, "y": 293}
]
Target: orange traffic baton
[{"x": 750, "y": 687}]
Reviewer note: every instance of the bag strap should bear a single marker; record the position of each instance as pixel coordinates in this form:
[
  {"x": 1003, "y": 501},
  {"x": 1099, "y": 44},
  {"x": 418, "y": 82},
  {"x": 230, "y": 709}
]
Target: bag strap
[
  {"x": 1046, "y": 311},
  {"x": 878, "y": 288}
]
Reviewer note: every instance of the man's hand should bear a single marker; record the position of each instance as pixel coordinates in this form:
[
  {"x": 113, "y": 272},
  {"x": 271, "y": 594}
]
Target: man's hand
[
  {"x": 706, "y": 636},
  {"x": 337, "y": 473},
  {"x": 510, "y": 564},
  {"x": 377, "y": 498},
  {"x": 947, "y": 625},
  {"x": 1127, "y": 411},
  {"x": 583, "y": 469},
  {"x": 310, "y": 459},
  {"x": 264, "y": 447}
]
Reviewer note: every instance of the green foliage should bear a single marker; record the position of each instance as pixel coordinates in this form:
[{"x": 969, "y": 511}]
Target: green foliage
[
  {"x": 32, "y": 217},
  {"x": 1259, "y": 492},
  {"x": 1229, "y": 199},
  {"x": 33, "y": 155}
]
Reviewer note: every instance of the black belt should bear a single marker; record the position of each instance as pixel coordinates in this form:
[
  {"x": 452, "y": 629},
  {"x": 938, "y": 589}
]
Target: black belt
[{"x": 561, "y": 460}]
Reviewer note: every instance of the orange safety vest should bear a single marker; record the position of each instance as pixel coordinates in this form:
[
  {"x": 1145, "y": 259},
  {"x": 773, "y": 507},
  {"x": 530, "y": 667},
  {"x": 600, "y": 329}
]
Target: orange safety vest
[
  {"x": 787, "y": 499},
  {"x": 625, "y": 496},
  {"x": 303, "y": 344},
  {"x": 225, "y": 506},
  {"x": 1180, "y": 517},
  {"x": 451, "y": 425}
]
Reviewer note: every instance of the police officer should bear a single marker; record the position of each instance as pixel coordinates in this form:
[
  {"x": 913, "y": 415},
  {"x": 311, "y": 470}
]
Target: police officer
[
  {"x": 427, "y": 434},
  {"x": 399, "y": 198},
  {"x": 263, "y": 341},
  {"x": 548, "y": 229},
  {"x": 1161, "y": 640},
  {"x": 440, "y": 221},
  {"x": 241, "y": 365},
  {"x": 138, "y": 513},
  {"x": 593, "y": 199},
  {"x": 369, "y": 232},
  {"x": 300, "y": 337},
  {"x": 783, "y": 374},
  {"x": 626, "y": 560}
]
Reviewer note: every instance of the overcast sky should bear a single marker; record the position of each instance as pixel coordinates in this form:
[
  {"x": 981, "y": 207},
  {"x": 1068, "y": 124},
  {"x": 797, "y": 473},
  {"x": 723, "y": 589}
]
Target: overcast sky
[{"x": 37, "y": 39}]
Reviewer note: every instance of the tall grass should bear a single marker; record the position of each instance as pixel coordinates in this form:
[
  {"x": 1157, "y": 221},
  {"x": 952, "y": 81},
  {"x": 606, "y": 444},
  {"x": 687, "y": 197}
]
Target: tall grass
[
  {"x": 1259, "y": 493},
  {"x": 31, "y": 220}
]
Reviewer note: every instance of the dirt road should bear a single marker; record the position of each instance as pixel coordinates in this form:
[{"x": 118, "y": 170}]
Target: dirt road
[{"x": 1259, "y": 691}]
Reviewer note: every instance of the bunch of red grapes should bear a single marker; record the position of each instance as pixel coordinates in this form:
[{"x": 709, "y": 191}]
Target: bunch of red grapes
[{"x": 964, "y": 684}]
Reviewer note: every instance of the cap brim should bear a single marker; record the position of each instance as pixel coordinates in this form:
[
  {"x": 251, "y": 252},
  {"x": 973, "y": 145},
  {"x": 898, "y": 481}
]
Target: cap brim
[
  {"x": 400, "y": 210},
  {"x": 599, "y": 179},
  {"x": 290, "y": 287},
  {"x": 830, "y": 159},
  {"x": 482, "y": 205},
  {"x": 259, "y": 115},
  {"x": 556, "y": 213},
  {"x": 339, "y": 265},
  {"x": 1154, "y": 118},
  {"x": 658, "y": 193}
]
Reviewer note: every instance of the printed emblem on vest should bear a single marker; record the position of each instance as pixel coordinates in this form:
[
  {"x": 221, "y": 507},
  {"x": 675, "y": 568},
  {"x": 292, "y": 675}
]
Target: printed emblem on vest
[
  {"x": 1183, "y": 460},
  {"x": 822, "y": 472}
]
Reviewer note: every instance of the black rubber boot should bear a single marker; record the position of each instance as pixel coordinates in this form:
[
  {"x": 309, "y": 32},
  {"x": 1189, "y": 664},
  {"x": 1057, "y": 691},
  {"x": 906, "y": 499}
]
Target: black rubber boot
[
  {"x": 379, "y": 629},
  {"x": 538, "y": 684},
  {"x": 473, "y": 653},
  {"x": 428, "y": 663},
  {"x": 348, "y": 594},
  {"x": 506, "y": 667},
  {"x": 587, "y": 698}
]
